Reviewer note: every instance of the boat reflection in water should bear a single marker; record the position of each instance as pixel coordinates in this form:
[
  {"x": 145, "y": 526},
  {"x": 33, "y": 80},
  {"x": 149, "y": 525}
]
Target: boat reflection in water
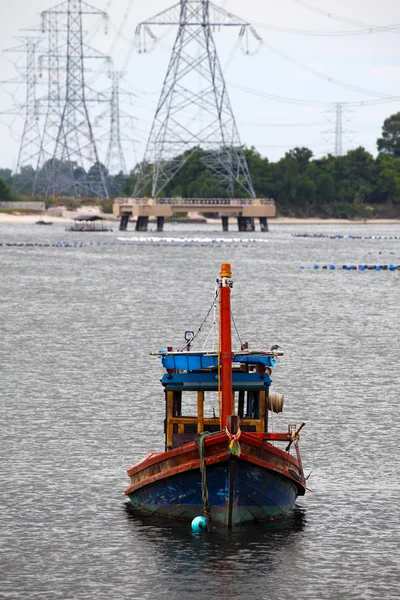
[{"x": 228, "y": 467}]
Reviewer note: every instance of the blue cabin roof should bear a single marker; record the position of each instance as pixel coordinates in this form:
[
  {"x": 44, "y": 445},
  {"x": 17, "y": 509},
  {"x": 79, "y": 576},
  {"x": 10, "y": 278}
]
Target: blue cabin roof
[
  {"x": 193, "y": 361},
  {"x": 198, "y": 370}
]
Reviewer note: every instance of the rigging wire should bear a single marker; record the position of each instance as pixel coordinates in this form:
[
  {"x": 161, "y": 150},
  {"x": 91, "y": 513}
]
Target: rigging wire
[
  {"x": 236, "y": 329},
  {"x": 214, "y": 328},
  {"x": 201, "y": 326}
]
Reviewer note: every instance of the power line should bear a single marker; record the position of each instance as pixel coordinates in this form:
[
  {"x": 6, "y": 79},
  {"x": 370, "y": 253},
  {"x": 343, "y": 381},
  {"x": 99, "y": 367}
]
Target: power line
[
  {"x": 334, "y": 17},
  {"x": 310, "y": 32},
  {"x": 299, "y": 101},
  {"x": 320, "y": 75}
]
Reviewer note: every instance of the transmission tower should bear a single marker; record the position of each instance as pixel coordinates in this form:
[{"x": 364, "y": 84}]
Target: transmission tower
[
  {"x": 194, "y": 110},
  {"x": 75, "y": 165},
  {"x": 29, "y": 149},
  {"x": 339, "y": 130},
  {"x": 115, "y": 161},
  {"x": 339, "y": 109},
  {"x": 52, "y": 104}
]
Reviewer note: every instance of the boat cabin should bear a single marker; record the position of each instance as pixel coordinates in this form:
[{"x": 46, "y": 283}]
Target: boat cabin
[
  {"x": 192, "y": 383},
  {"x": 91, "y": 223}
]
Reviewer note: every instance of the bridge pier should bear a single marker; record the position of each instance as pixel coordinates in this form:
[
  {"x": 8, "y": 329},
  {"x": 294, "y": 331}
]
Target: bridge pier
[
  {"x": 141, "y": 223},
  {"x": 246, "y": 210},
  {"x": 123, "y": 224},
  {"x": 246, "y": 224}
]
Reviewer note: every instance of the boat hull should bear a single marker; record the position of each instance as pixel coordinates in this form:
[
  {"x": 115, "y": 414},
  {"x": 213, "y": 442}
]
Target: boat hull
[{"x": 238, "y": 491}]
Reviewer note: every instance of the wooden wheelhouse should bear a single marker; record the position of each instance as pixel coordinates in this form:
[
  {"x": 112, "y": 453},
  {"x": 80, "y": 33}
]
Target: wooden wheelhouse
[{"x": 251, "y": 399}]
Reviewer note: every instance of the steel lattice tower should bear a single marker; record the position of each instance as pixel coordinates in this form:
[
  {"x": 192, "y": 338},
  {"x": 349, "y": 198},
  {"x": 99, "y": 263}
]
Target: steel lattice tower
[
  {"x": 339, "y": 109},
  {"x": 339, "y": 129},
  {"x": 115, "y": 160},
  {"x": 194, "y": 109},
  {"x": 31, "y": 137},
  {"x": 53, "y": 103},
  {"x": 75, "y": 165}
]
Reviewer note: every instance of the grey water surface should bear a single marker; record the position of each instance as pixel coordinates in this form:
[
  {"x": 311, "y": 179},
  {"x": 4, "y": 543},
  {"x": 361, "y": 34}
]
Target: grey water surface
[{"x": 81, "y": 402}]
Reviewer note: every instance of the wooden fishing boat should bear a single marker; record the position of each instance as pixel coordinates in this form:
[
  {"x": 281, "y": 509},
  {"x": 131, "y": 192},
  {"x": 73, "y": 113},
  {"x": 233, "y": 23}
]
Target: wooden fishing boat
[{"x": 231, "y": 467}]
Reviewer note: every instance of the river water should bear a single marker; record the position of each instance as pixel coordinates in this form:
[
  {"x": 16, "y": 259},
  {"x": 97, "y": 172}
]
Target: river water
[{"x": 81, "y": 402}]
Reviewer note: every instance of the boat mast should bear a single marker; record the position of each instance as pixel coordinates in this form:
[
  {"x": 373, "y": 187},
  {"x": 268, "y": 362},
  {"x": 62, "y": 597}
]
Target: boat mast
[{"x": 225, "y": 283}]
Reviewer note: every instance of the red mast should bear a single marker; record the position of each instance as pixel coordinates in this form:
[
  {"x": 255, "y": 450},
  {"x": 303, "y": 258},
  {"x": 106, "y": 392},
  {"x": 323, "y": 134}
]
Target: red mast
[{"x": 227, "y": 407}]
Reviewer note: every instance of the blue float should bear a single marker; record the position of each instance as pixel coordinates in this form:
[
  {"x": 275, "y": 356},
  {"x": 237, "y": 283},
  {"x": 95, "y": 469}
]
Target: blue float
[{"x": 199, "y": 524}]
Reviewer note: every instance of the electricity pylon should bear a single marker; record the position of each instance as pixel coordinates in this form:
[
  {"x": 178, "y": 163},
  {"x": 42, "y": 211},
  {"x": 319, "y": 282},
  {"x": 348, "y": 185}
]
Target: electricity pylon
[
  {"x": 115, "y": 160},
  {"x": 75, "y": 165},
  {"x": 194, "y": 110},
  {"x": 30, "y": 144},
  {"x": 339, "y": 109}
]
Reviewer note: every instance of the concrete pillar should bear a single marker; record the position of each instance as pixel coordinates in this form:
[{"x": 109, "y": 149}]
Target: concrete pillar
[
  {"x": 225, "y": 223},
  {"x": 123, "y": 225},
  {"x": 263, "y": 223},
  {"x": 241, "y": 224},
  {"x": 160, "y": 223},
  {"x": 246, "y": 224},
  {"x": 250, "y": 226},
  {"x": 141, "y": 223}
]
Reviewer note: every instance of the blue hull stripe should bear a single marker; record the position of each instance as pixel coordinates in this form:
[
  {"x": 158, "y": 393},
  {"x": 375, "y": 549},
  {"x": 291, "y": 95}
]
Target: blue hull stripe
[{"x": 258, "y": 494}]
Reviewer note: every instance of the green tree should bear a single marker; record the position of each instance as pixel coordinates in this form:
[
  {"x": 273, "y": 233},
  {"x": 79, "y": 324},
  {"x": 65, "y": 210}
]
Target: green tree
[
  {"x": 302, "y": 156},
  {"x": 5, "y": 192},
  {"x": 389, "y": 143},
  {"x": 326, "y": 189},
  {"x": 6, "y": 176},
  {"x": 388, "y": 182},
  {"x": 305, "y": 194}
]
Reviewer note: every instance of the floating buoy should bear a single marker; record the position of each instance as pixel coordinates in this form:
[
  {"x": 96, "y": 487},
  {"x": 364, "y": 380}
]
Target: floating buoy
[
  {"x": 199, "y": 524},
  {"x": 390, "y": 267}
]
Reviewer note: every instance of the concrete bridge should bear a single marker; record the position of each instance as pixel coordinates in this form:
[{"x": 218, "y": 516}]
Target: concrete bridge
[{"x": 246, "y": 210}]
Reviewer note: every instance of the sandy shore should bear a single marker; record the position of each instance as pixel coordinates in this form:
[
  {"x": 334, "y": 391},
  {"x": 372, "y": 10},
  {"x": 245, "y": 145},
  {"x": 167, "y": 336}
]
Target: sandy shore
[{"x": 24, "y": 218}]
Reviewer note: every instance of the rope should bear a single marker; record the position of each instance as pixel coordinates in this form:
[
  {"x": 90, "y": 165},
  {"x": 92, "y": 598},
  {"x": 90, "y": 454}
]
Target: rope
[
  {"x": 204, "y": 490},
  {"x": 214, "y": 330},
  {"x": 199, "y": 329},
  {"x": 236, "y": 329}
]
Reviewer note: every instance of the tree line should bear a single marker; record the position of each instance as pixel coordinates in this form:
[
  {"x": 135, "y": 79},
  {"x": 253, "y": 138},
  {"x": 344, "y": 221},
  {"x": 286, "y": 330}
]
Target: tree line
[{"x": 355, "y": 184}]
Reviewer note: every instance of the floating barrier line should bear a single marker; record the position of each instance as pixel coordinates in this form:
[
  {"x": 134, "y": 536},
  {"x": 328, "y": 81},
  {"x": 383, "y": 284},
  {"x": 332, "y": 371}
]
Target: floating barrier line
[
  {"x": 139, "y": 240},
  {"x": 336, "y": 236},
  {"x": 188, "y": 240},
  {"x": 351, "y": 267}
]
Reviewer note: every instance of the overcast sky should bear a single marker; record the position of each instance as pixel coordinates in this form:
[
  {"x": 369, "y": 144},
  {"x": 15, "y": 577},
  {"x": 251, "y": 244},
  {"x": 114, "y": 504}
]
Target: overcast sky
[{"x": 286, "y": 65}]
